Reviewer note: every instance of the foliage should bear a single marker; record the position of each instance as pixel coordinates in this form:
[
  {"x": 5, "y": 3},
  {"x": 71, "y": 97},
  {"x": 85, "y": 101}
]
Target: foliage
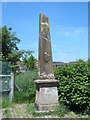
[
  {"x": 28, "y": 60},
  {"x": 74, "y": 85},
  {"x": 10, "y": 51},
  {"x": 6, "y": 68},
  {"x": 26, "y": 83},
  {"x": 9, "y": 41},
  {"x": 7, "y": 113},
  {"x": 30, "y": 109},
  {"x": 31, "y": 61},
  {"x": 6, "y": 103},
  {"x": 19, "y": 97}
]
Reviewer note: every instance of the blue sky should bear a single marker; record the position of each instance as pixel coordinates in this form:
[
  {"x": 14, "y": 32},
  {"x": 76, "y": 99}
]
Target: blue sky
[{"x": 68, "y": 27}]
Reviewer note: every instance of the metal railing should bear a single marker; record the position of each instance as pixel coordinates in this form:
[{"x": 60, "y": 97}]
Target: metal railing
[{"x": 9, "y": 85}]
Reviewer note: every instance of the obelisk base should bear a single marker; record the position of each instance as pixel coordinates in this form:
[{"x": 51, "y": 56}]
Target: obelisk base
[{"x": 46, "y": 95}]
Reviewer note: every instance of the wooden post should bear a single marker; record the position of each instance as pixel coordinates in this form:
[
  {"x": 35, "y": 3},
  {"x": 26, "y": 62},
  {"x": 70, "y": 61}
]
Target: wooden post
[{"x": 11, "y": 86}]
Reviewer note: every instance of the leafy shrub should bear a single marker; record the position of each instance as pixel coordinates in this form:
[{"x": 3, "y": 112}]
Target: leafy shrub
[{"x": 74, "y": 85}]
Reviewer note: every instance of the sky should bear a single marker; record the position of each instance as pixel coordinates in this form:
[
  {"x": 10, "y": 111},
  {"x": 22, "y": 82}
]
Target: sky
[{"x": 68, "y": 23}]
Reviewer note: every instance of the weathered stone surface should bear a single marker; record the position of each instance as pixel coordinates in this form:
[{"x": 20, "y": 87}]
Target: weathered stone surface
[
  {"x": 48, "y": 95},
  {"x": 46, "y": 85},
  {"x": 45, "y": 67},
  {"x": 45, "y": 108},
  {"x": 46, "y": 81}
]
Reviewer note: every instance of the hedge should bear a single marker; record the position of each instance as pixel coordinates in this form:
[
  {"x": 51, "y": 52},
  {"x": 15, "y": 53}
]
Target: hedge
[{"x": 74, "y": 85}]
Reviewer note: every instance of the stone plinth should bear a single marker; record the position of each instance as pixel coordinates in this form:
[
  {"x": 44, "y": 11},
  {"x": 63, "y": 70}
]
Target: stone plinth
[{"x": 46, "y": 95}]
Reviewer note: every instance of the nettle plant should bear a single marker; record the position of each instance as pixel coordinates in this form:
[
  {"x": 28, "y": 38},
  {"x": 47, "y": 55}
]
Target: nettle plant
[{"x": 74, "y": 85}]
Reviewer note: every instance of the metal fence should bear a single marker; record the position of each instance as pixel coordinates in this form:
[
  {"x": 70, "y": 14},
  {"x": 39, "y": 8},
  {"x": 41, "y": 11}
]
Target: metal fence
[{"x": 7, "y": 85}]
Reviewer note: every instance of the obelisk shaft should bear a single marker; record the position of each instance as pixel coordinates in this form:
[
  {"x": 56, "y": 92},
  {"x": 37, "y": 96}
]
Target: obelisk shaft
[{"x": 45, "y": 66}]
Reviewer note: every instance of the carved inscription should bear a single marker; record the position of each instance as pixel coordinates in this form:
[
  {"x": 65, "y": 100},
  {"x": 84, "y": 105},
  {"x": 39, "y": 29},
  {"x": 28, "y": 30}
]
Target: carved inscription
[{"x": 48, "y": 95}]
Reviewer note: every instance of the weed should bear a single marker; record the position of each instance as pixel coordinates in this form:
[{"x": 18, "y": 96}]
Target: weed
[
  {"x": 0, "y": 104},
  {"x": 30, "y": 109},
  {"x": 7, "y": 113},
  {"x": 28, "y": 89},
  {"x": 17, "y": 112},
  {"x": 6, "y": 103}
]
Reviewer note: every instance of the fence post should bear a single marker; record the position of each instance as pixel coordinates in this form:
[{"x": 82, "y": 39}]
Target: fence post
[{"x": 11, "y": 87}]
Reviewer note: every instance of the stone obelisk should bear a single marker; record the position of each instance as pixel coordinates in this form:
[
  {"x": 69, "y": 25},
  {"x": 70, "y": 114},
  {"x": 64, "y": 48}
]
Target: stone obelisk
[{"x": 46, "y": 85}]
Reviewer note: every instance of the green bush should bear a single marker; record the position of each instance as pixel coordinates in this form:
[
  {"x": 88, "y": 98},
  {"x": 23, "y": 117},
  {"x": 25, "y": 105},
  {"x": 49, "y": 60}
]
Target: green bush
[
  {"x": 74, "y": 85},
  {"x": 26, "y": 83}
]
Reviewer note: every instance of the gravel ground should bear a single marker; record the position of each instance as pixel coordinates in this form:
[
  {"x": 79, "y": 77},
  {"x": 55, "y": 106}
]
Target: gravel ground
[
  {"x": 19, "y": 111},
  {"x": 16, "y": 111}
]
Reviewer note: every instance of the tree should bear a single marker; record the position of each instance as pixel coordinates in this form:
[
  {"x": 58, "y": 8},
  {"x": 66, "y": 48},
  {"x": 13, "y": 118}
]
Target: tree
[
  {"x": 31, "y": 62},
  {"x": 10, "y": 51},
  {"x": 28, "y": 59},
  {"x": 9, "y": 42}
]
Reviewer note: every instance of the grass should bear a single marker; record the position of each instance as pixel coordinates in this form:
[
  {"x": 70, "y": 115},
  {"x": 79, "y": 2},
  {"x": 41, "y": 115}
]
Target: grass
[
  {"x": 0, "y": 104},
  {"x": 17, "y": 112},
  {"x": 25, "y": 81},
  {"x": 60, "y": 111},
  {"x": 28, "y": 75},
  {"x": 30, "y": 109},
  {"x": 6, "y": 103},
  {"x": 7, "y": 113}
]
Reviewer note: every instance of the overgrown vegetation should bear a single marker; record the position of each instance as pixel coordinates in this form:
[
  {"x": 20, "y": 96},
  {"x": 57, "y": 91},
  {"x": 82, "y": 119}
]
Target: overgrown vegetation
[
  {"x": 74, "y": 86},
  {"x": 73, "y": 89},
  {"x": 26, "y": 83},
  {"x": 7, "y": 113},
  {"x": 28, "y": 60},
  {"x": 6, "y": 103}
]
